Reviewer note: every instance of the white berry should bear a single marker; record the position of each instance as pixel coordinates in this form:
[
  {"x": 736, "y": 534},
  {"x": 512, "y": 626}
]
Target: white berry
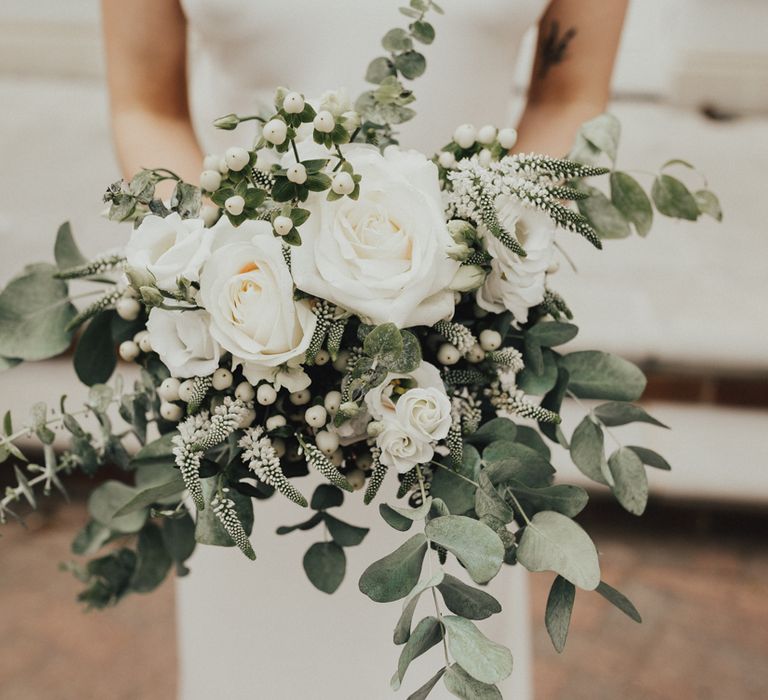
[
  {"x": 356, "y": 477},
  {"x": 275, "y": 422},
  {"x": 447, "y": 159},
  {"x": 448, "y": 354},
  {"x": 490, "y": 340},
  {"x": 297, "y": 174},
  {"x": 316, "y": 416},
  {"x": 210, "y": 180},
  {"x": 283, "y": 225},
  {"x": 169, "y": 389},
  {"x": 364, "y": 460},
  {"x": 211, "y": 162},
  {"x": 222, "y": 379},
  {"x": 465, "y": 135},
  {"x": 327, "y": 442},
  {"x": 324, "y": 122},
  {"x": 266, "y": 395},
  {"x": 186, "y": 390},
  {"x": 476, "y": 354},
  {"x": 223, "y": 167},
  {"x": 244, "y": 391},
  {"x": 507, "y": 137},
  {"x": 340, "y": 363},
  {"x": 128, "y": 309},
  {"x": 279, "y": 446},
  {"x": 484, "y": 157},
  {"x": 300, "y": 398},
  {"x": 486, "y": 134},
  {"x": 143, "y": 340},
  {"x": 337, "y": 458},
  {"x": 236, "y": 158},
  {"x": 293, "y": 103},
  {"x": 128, "y": 350},
  {"x": 171, "y": 411},
  {"x": 322, "y": 357},
  {"x": 342, "y": 183},
  {"x": 332, "y": 402},
  {"x": 275, "y": 131},
  {"x": 235, "y": 205}
]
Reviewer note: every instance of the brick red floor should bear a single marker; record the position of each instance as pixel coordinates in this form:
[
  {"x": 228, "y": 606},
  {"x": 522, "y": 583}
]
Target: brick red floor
[{"x": 699, "y": 577}]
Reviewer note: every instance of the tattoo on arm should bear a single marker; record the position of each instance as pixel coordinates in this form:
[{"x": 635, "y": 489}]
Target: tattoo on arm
[{"x": 554, "y": 46}]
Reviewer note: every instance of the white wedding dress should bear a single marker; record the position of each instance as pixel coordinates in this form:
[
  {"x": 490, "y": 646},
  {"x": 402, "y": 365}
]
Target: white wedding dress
[{"x": 259, "y": 630}]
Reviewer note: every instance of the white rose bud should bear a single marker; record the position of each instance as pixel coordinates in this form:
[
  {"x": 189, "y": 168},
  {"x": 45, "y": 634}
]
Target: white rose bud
[
  {"x": 128, "y": 309},
  {"x": 275, "y": 131},
  {"x": 266, "y": 395},
  {"x": 210, "y": 180},
  {"x": 465, "y": 135},
  {"x": 222, "y": 379},
  {"x": 342, "y": 183},
  {"x": 236, "y": 158},
  {"x": 507, "y": 137},
  {"x": 235, "y": 205},
  {"x": 128, "y": 350},
  {"x": 297, "y": 174},
  {"x": 490, "y": 340},
  {"x": 324, "y": 122},
  {"x": 486, "y": 134},
  {"x": 282, "y": 225},
  {"x": 447, "y": 159},
  {"x": 293, "y": 103},
  {"x": 467, "y": 278}
]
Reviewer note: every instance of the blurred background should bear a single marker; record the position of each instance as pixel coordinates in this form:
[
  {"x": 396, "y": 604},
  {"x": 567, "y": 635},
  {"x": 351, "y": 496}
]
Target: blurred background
[{"x": 688, "y": 304}]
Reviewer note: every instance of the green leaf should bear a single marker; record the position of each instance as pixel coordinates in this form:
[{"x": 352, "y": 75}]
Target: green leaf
[
  {"x": 505, "y": 461},
  {"x": 605, "y": 218},
  {"x": 315, "y": 520},
  {"x": 179, "y": 538},
  {"x": 672, "y": 198},
  {"x": 410, "y": 357},
  {"x": 65, "y": 250},
  {"x": 394, "y": 519},
  {"x": 208, "y": 529},
  {"x": 549, "y": 334},
  {"x": 620, "y": 413},
  {"x": 554, "y": 542},
  {"x": 95, "y": 357},
  {"x": 423, "y": 692},
  {"x": 109, "y": 498},
  {"x": 384, "y": 343},
  {"x": 600, "y": 375},
  {"x": 603, "y": 132},
  {"x": 393, "y": 576},
  {"x": 587, "y": 450},
  {"x": 557, "y": 617},
  {"x": 630, "y": 480},
  {"x": 158, "y": 452},
  {"x": 539, "y": 383},
  {"x": 488, "y": 502},
  {"x": 619, "y": 600},
  {"x": 456, "y": 492},
  {"x": 90, "y": 538},
  {"x": 8, "y": 362},
  {"x": 403, "y": 627},
  {"x": 467, "y": 601},
  {"x": 415, "y": 513},
  {"x": 650, "y": 458},
  {"x": 326, "y": 496},
  {"x": 552, "y": 401},
  {"x": 564, "y": 498},
  {"x": 397, "y": 40},
  {"x": 495, "y": 429},
  {"x": 427, "y": 634},
  {"x": 154, "y": 494},
  {"x": 411, "y": 64},
  {"x": 462, "y": 685},
  {"x": 378, "y": 69},
  {"x": 530, "y": 437},
  {"x": 474, "y": 544},
  {"x": 34, "y": 314},
  {"x": 709, "y": 204},
  {"x": 343, "y": 533},
  {"x": 325, "y": 564},
  {"x": 484, "y": 660},
  {"x": 23, "y": 484},
  {"x": 152, "y": 560},
  {"x": 423, "y": 32},
  {"x": 677, "y": 161},
  {"x": 628, "y": 196}
]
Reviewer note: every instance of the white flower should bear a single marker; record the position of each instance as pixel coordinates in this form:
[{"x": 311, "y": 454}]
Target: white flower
[
  {"x": 402, "y": 449},
  {"x": 246, "y": 287},
  {"x": 169, "y": 247},
  {"x": 426, "y": 412},
  {"x": 335, "y": 101},
  {"x": 383, "y": 256},
  {"x": 514, "y": 283},
  {"x": 184, "y": 342},
  {"x": 381, "y": 402}
]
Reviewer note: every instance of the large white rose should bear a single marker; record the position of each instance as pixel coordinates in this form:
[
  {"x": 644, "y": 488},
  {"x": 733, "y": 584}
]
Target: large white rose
[
  {"x": 184, "y": 342},
  {"x": 247, "y": 288},
  {"x": 169, "y": 247},
  {"x": 514, "y": 283},
  {"x": 426, "y": 412},
  {"x": 383, "y": 256}
]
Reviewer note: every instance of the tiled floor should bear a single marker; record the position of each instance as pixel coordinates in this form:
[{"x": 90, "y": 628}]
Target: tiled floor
[{"x": 698, "y": 576}]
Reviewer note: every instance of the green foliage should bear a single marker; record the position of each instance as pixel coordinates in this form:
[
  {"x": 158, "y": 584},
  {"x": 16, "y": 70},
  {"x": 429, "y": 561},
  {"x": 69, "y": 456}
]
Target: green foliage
[
  {"x": 95, "y": 357},
  {"x": 179, "y": 538},
  {"x": 620, "y": 413},
  {"x": 403, "y": 628},
  {"x": 107, "y": 500},
  {"x": 394, "y": 519},
  {"x": 393, "y": 576},
  {"x": 208, "y": 528},
  {"x": 672, "y": 198},
  {"x": 326, "y": 496},
  {"x": 108, "y": 578},
  {"x": 630, "y": 199},
  {"x": 467, "y": 601},
  {"x": 344, "y": 534},
  {"x": 602, "y": 214},
  {"x": 587, "y": 450},
  {"x": 564, "y": 498},
  {"x": 650, "y": 458},
  {"x": 630, "y": 481},
  {"x": 325, "y": 565},
  {"x": 492, "y": 431},
  {"x": 65, "y": 250},
  {"x": 456, "y": 492},
  {"x": 484, "y": 660},
  {"x": 513, "y": 461},
  {"x": 619, "y": 600},
  {"x": 709, "y": 204},
  {"x": 426, "y": 689},
  {"x": 152, "y": 560},
  {"x": 557, "y": 617},
  {"x": 554, "y": 542},
  {"x": 600, "y": 375},
  {"x": 426, "y": 634}
]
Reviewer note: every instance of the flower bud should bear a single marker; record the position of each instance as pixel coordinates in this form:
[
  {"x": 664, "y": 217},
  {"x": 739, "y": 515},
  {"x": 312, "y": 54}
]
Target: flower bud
[
  {"x": 228, "y": 122},
  {"x": 486, "y": 134},
  {"x": 139, "y": 277},
  {"x": 467, "y": 278},
  {"x": 151, "y": 296}
]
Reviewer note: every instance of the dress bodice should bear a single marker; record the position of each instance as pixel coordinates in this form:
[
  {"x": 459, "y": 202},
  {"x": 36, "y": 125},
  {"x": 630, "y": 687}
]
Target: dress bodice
[{"x": 240, "y": 50}]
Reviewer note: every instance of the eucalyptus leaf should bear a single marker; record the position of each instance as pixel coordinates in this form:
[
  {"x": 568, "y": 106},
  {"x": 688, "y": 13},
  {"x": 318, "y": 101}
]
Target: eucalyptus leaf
[
  {"x": 495, "y": 429},
  {"x": 601, "y": 375},
  {"x": 453, "y": 489},
  {"x": 378, "y": 69},
  {"x": 158, "y": 452},
  {"x": 65, "y": 250},
  {"x": 343, "y": 533},
  {"x": 394, "y": 519},
  {"x": 709, "y": 204},
  {"x": 549, "y": 334},
  {"x": 650, "y": 458},
  {"x": 315, "y": 520},
  {"x": 564, "y": 498},
  {"x": 415, "y": 513},
  {"x": 325, "y": 565},
  {"x": 466, "y": 601},
  {"x": 411, "y": 64},
  {"x": 603, "y": 132},
  {"x": 107, "y": 499},
  {"x": 538, "y": 384},
  {"x": 620, "y": 413},
  {"x": 397, "y": 40},
  {"x": 488, "y": 502},
  {"x": 208, "y": 529},
  {"x": 557, "y": 617},
  {"x": 552, "y": 401},
  {"x": 554, "y": 542},
  {"x": 179, "y": 538},
  {"x": 153, "y": 494},
  {"x": 425, "y": 635},
  {"x": 403, "y": 627},
  {"x": 423, "y": 692},
  {"x": 91, "y": 537},
  {"x": 587, "y": 450},
  {"x": 152, "y": 560},
  {"x": 474, "y": 544},
  {"x": 384, "y": 343},
  {"x": 423, "y": 32},
  {"x": 462, "y": 685},
  {"x": 95, "y": 356},
  {"x": 530, "y": 437},
  {"x": 630, "y": 480},
  {"x": 629, "y": 198},
  {"x": 672, "y": 198},
  {"x": 484, "y": 660},
  {"x": 326, "y": 496},
  {"x": 505, "y": 461},
  {"x": 619, "y": 600},
  {"x": 603, "y": 215},
  {"x": 395, "y": 575}
]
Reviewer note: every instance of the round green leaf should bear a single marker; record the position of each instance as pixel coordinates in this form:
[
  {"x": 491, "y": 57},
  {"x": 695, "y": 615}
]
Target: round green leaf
[
  {"x": 630, "y": 199},
  {"x": 467, "y": 601},
  {"x": 709, "y": 204},
  {"x": 325, "y": 564},
  {"x": 587, "y": 450},
  {"x": 672, "y": 198},
  {"x": 95, "y": 357},
  {"x": 601, "y": 375},
  {"x": 484, "y": 660},
  {"x": 505, "y": 461},
  {"x": 411, "y": 64},
  {"x": 343, "y": 533},
  {"x": 630, "y": 480},
  {"x": 427, "y": 634},
  {"x": 462, "y": 685},
  {"x": 106, "y": 500},
  {"x": 395, "y": 575},
  {"x": 605, "y": 218},
  {"x": 394, "y": 519},
  {"x": 621, "y": 413},
  {"x": 152, "y": 560}
]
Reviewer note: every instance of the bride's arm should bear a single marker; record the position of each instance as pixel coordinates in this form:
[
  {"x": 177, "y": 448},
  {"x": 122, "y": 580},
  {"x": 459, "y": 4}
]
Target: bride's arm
[
  {"x": 146, "y": 71},
  {"x": 571, "y": 78}
]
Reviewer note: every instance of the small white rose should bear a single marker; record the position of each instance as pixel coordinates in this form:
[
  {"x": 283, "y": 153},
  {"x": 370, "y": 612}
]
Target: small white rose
[
  {"x": 184, "y": 342},
  {"x": 425, "y": 412},
  {"x": 381, "y": 401},
  {"x": 402, "y": 449}
]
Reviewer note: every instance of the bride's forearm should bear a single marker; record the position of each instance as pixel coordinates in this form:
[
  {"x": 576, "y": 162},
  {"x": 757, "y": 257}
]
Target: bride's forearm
[{"x": 551, "y": 127}]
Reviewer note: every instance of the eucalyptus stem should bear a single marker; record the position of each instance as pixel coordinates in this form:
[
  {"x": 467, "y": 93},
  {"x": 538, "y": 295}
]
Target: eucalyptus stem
[{"x": 592, "y": 413}]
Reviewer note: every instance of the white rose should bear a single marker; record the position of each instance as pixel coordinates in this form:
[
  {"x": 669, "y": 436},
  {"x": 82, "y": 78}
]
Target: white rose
[
  {"x": 383, "y": 256},
  {"x": 246, "y": 287},
  {"x": 402, "y": 449},
  {"x": 514, "y": 283},
  {"x": 380, "y": 401},
  {"x": 169, "y": 247},
  {"x": 425, "y": 412},
  {"x": 184, "y": 342}
]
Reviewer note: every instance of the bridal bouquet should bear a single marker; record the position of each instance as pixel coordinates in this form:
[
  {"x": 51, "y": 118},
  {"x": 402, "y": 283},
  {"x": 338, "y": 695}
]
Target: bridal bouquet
[{"x": 326, "y": 300}]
